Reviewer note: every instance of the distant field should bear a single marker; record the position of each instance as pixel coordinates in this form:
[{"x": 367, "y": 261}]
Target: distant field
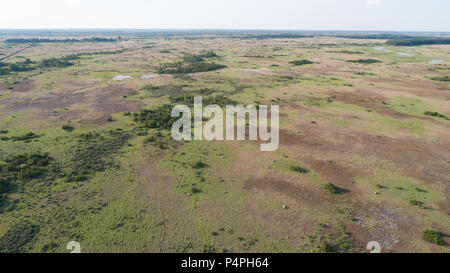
[{"x": 364, "y": 144}]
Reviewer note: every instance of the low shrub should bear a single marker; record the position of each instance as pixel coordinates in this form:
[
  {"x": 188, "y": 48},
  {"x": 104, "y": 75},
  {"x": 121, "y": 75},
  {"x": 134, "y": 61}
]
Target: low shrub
[
  {"x": 301, "y": 62},
  {"x": 436, "y": 114},
  {"x": 68, "y": 128},
  {"x": 299, "y": 169},
  {"x": 364, "y": 61},
  {"x": 441, "y": 79},
  {"x": 27, "y": 137},
  {"x": 432, "y": 236},
  {"x": 331, "y": 188}
]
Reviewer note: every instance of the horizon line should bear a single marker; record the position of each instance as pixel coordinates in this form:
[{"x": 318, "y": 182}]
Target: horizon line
[{"x": 220, "y": 29}]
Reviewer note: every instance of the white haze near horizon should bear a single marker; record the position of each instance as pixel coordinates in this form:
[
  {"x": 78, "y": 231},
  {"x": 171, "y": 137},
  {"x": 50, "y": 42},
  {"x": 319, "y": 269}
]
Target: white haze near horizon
[{"x": 382, "y": 15}]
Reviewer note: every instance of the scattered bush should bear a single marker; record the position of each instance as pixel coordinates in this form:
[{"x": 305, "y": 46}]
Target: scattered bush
[
  {"x": 364, "y": 61},
  {"x": 208, "y": 54},
  {"x": 68, "y": 128},
  {"x": 27, "y": 137},
  {"x": 198, "y": 164},
  {"x": 299, "y": 169},
  {"x": 433, "y": 236},
  {"x": 417, "y": 204},
  {"x": 441, "y": 79},
  {"x": 331, "y": 188},
  {"x": 301, "y": 62},
  {"x": 436, "y": 114},
  {"x": 361, "y": 73},
  {"x": 195, "y": 190}
]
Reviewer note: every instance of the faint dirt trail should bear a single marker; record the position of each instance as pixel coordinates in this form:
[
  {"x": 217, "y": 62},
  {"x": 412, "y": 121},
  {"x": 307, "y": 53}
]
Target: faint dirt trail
[
  {"x": 14, "y": 53},
  {"x": 151, "y": 174}
]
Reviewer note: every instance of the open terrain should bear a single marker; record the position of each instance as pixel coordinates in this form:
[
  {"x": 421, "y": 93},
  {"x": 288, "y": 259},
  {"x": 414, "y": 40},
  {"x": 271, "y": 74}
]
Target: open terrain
[{"x": 364, "y": 145}]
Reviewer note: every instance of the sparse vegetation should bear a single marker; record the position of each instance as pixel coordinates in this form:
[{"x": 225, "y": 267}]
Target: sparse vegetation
[{"x": 88, "y": 157}]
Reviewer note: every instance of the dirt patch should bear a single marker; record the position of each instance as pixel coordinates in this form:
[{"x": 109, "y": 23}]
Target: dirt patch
[
  {"x": 25, "y": 86},
  {"x": 170, "y": 207},
  {"x": 418, "y": 158},
  {"x": 370, "y": 100},
  {"x": 92, "y": 104},
  {"x": 299, "y": 193},
  {"x": 330, "y": 171}
]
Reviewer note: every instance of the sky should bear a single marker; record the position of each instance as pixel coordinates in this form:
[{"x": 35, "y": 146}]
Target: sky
[{"x": 382, "y": 15}]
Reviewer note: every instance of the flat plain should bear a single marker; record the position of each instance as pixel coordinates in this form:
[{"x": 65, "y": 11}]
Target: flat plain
[{"x": 364, "y": 146}]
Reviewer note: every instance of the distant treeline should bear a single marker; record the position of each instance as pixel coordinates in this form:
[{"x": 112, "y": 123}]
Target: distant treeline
[
  {"x": 419, "y": 41},
  {"x": 65, "y": 61},
  {"x": 275, "y": 36},
  {"x": 401, "y": 40},
  {"x": 44, "y": 40},
  {"x": 376, "y": 36},
  {"x": 28, "y": 65}
]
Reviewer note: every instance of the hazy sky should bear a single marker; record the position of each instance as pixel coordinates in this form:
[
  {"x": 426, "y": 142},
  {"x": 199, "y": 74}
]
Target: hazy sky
[{"x": 420, "y": 15}]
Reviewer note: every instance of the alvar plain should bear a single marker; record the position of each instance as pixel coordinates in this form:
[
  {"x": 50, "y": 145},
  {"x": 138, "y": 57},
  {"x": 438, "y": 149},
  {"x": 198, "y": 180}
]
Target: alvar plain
[{"x": 86, "y": 152}]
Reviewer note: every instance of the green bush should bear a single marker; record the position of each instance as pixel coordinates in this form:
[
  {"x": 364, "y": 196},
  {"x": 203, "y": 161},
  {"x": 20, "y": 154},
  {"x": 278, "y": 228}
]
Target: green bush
[
  {"x": 433, "y": 236},
  {"x": 184, "y": 67},
  {"x": 417, "y": 203},
  {"x": 364, "y": 61},
  {"x": 159, "y": 118},
  {"x": 299, "y": 169},
  {"x": 331, "y": 188},
  {"x": 441, "y": 79},
  {"x": 195, "y": 190},
  {"x": 68, "y": 128},
  {"x": 436, "y": 114},
  {"x": 327, "y": 248},
  {"x": 198, "y": 164},
  {"x": 27, "y": 137},
  {"x": 301, "y": 62}
]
